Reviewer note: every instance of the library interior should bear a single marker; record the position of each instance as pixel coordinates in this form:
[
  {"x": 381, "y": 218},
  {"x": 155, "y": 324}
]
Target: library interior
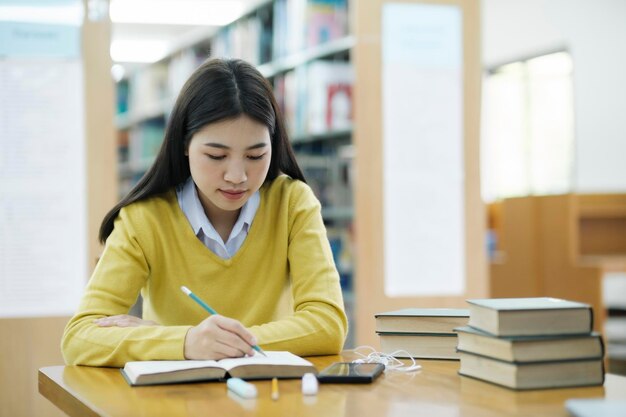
[{"x": 491, "y": 258}]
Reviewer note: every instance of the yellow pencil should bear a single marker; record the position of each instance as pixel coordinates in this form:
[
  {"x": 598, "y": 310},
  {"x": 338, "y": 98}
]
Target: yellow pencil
[{"x": 275, "y": 394}]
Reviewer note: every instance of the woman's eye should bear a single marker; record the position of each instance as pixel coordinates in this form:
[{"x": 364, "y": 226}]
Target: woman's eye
[
  {"x": 216, "y": 157},
  {"x": 256, "y": 158}
]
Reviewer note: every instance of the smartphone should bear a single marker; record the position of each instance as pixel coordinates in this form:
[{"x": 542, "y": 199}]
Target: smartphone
[{"x": 347, "y": 372}]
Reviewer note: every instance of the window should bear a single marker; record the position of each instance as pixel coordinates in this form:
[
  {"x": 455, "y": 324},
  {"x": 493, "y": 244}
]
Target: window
[{"x": 527, "y": 143}]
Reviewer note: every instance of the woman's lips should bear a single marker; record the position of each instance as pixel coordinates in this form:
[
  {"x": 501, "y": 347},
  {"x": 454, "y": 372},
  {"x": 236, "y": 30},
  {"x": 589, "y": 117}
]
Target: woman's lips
[{"x": 233, "y": 194}]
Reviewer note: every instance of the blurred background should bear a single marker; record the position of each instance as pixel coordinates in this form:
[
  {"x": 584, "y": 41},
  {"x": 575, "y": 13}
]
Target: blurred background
[{"x": 513, "y": 151}]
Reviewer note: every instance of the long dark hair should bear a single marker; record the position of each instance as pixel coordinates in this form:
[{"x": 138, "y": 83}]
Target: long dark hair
[{"x": 219, "y": 89}]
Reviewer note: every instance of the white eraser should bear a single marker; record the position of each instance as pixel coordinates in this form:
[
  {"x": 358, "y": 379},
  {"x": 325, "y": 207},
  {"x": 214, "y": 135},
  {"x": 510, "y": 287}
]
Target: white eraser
[
  {"x": 242, "y": 388},
  {"x": 309, "y": 384}
]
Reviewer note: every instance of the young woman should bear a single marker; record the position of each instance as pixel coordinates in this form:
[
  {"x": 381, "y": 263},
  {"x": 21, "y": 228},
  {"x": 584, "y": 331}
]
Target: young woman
[{"x": 224, "y": 211}]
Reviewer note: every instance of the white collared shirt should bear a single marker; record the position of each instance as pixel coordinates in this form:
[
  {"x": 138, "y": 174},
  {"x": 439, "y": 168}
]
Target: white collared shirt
[{"x": 190, "y": 204}]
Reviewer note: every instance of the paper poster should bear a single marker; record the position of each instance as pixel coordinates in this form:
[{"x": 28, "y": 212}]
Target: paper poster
[
  {"x": 422, "y": 81},
  {"x": 18, "y": 39},
  {"x": 42, "y": 187}
]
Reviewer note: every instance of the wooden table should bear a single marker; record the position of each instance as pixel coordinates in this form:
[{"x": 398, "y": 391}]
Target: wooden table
[{"x": 435, "y": 390}]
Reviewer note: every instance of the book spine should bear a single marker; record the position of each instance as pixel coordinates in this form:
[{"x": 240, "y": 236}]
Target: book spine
[
  {"x": 517, "y": 363},
  {"x": 415, "y": 334},
  {"x": 532, "y": 388}
]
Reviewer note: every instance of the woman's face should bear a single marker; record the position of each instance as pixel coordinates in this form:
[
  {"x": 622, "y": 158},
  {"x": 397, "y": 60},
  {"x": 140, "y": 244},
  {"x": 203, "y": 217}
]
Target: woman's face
[{"x": 229, "y": 161}]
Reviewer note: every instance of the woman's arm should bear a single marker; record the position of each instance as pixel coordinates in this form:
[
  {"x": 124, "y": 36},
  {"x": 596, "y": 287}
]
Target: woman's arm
[
  {"x": 319, "y": 324},
  {"x": 103, "y": 334},
  {"x": 113, "y": 288}
]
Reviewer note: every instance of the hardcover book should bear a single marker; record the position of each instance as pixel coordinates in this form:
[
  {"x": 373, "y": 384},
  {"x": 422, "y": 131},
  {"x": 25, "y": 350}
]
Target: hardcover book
[
  {"x": 420, "y": 345},
  {"x": 535, "y": 375},
  {"x": 530, "y": 316},
  {"x": 530, "y": 348},
  {"x": 422, "y": 320},
  {"x": 275, "y": 365}
]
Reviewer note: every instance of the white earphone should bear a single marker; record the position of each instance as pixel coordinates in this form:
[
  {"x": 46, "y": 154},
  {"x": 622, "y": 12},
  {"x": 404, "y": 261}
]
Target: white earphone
[{"x": 388, "y": 359}]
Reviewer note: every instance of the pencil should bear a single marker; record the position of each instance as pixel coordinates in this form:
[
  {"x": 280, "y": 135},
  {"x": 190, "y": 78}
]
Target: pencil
[
  {"x": 275, "y": 394},
  {"x": 211, "y": 311}
]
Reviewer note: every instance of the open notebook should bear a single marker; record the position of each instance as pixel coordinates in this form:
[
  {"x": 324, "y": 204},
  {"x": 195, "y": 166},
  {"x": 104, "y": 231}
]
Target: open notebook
[{"x": 276, "y": 364}]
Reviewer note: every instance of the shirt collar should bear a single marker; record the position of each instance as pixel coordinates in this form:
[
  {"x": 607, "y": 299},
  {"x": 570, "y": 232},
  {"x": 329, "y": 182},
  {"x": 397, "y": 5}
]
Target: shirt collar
[{"x": 192, "y": 207}]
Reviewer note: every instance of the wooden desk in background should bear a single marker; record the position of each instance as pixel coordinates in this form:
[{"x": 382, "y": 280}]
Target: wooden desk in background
[{"x": 435, "y": 390}]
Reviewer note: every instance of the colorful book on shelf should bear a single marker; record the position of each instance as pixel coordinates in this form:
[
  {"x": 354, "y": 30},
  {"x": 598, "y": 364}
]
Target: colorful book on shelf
[
  {"x": 533, "y": 375},
  {"x": 326, "y": 20},
  {"x": 422, "y": 320},
  {"x": 329, "y": 96},
  {"x": 420, "y": 345},
  {"x": 530, "y": 316},
  {"x": 275, "y": 365},
  {"x": 522, "y": 349}
]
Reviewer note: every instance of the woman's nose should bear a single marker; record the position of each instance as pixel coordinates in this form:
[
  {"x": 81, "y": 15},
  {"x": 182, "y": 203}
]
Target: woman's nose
[{"x": 235, "y": 172}]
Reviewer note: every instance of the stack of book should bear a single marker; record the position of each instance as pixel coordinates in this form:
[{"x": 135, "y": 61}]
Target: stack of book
[
  {"x": 531, "y": 343},
  {"x": 426, "y": 333}
]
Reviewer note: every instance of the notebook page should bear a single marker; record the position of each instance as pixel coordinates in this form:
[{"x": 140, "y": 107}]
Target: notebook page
[
  {"x": 273, "y": 358},
  {"x": 157, "y": 367}
]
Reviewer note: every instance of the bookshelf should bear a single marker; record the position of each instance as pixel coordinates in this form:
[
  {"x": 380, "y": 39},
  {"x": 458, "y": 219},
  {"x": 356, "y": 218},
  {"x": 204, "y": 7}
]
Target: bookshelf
[
  {"x": 570, "y": 246},
  {"x": 34, "y": 341},
  {"x": 559, "y": 240},
  {"x": 602, "y": 228},
  {"x": 303, "y": 48}
]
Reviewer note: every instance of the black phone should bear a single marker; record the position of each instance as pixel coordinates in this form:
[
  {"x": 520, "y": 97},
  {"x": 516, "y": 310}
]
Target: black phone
[{"x": 347, "y": 372}]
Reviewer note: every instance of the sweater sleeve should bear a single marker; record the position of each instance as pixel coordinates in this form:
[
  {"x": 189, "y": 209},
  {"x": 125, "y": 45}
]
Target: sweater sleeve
[
  {"x": 113, "y": 288},
  {"x": 318, "y": 325}
]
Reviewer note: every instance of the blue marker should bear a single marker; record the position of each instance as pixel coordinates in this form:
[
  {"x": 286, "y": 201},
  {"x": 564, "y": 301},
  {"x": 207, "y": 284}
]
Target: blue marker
[{"x": 211, "y": 311}]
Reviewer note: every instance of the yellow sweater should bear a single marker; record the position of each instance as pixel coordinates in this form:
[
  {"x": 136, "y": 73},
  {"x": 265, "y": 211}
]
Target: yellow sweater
[{"x": 153, "y": 250}]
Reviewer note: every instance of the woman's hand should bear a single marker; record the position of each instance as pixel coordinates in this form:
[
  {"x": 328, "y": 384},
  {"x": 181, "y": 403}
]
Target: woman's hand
[
  {"x": 123, "y": 320},
  {"x": 218, "y": 337}
]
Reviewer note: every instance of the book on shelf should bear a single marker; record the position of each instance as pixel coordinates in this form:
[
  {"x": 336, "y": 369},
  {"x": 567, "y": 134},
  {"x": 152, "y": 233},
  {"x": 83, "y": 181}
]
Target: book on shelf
[
  {"x": 422, "y": 320},
  {"x": 144, "y": 143},
  {"x": 307, "y": 23},
  {"x": 420, "y": 345},
  {"x": 275, "y": 365},
  {"x": 287, "y": 94},
  {"x": 148, "y": 87},
  {"x": 530, "y": 316},
  {"x": 121, "y": 93},
  {"x": 249, "y": 38},
  {"x": 180, "y": 68},
  {"x": 289, "y": 23},
  {"x": 530, "y": 348},
  {"x": 329, "y": 96},
  {"x": 533, "y": 375},
  {"x": 340, "y": 240},
  {"x": 316, "y": 99},
  {"x": 326, "y": 20}
]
